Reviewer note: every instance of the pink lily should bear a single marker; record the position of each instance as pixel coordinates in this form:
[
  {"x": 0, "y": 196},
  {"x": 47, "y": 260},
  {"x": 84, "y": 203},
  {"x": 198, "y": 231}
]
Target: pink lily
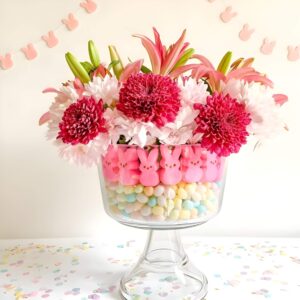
[
  {"x": 163, "y": 60},
  {"x": 280, "y": 99},
  {"x": 44, "y": 118},
  {"x": 131, "y": 68}
]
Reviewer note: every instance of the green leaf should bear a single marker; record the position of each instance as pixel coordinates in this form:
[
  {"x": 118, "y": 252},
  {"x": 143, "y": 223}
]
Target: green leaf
[
  {"x": 225, "y": 63},
  {"x": 87, "y": 66},
  {"x": 184, "y": 58},
  {"x": 145, "y": 70},
  {"x": 114, "y": 56},
  {"x": 94, "y": 54},
  {"x": 77, "y": 69}
]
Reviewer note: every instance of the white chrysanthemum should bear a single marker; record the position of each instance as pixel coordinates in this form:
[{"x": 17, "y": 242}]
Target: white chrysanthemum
[
  {"x": 106, "y": 89},
  {"x": 85, "y": 154},
  {"x": 65, "y": 96},
  {"x": 265, "y": 113},
  {"x": 137, "y": 133},
  {"x": 192, "y": 91}
]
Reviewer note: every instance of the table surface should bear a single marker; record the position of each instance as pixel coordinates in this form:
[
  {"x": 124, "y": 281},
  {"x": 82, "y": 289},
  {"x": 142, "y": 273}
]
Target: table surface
[{"x": 80, "y": 269}]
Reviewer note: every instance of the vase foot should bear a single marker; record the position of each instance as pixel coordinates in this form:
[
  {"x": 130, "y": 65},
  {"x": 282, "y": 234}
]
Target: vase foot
[{"x": 164, "y": 272}]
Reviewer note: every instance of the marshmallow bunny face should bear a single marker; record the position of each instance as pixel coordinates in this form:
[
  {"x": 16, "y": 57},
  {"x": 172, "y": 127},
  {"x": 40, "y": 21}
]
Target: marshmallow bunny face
[
  {"x": 148, "y": 167},
  {"x": 110, "y": 164},
  {"x": 170, "y": 172},
  {"x": 128, "y": 165}
]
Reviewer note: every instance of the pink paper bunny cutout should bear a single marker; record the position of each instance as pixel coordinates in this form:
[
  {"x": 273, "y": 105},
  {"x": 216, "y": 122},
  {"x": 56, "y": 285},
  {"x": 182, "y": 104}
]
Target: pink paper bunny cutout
[
  {"x": 29, "y": 52},
  {"x": 50, "y": 39},
  {"x": 111, "y": 164},
  {"x": 89, "y": 5},
  {"x": 267, "y": 46},
  {"x": 210, "y": 167},
  {"x": 227, "y": 14},
  {"x": 71, "y": 23},
  {"x": 148, "y": 167},
  {"x": 246, "y": 33},
  {"x": 293, "y": 53},
  {"x": 192, "y": 163},
  {"x": 128, "y": 166},
  {"x": 170, "y": 172},
  {"x": 6, "y": 61}
]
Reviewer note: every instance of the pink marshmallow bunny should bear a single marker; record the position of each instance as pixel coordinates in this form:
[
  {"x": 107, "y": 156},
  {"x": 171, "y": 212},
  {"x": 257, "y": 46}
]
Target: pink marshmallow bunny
[
  {"x": 210, "y": 167},
  {"x": 110, "y": 164},
  {"x": 192, "y": 164},
  {"x": 128, "y": 164},
  {"x": 170, "y": 172},
  {"x": 148, "y": 167}
]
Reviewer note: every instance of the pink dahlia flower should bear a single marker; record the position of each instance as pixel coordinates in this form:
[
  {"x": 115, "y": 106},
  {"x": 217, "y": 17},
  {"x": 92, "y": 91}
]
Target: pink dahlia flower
[
  {"x": 150, "y": 98},
  {"x": 222, "y": 121},
  {"x": 82, "y": 121}
]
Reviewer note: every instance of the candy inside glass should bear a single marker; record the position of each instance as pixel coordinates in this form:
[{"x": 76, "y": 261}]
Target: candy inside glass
[{"x": 162, "y": 188}]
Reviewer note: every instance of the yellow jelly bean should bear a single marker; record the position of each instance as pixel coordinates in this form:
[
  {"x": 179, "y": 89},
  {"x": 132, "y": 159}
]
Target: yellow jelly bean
[
  {"x": 174, "y": 214},
  {"x": 185, "y": 214},
  {"x": 174, "y": 187},
  {"x": 170, "y": 205},
  {"x": 158, "y": 211},
  {"x": 181, "y": 193},
  {"x": 148, "y": 190},
  {"x": 138, "y": 189},
  {"x": 178, "y": 202},
  {"x": 128, "y": 190},
  {"x": 191, "y": 188}
]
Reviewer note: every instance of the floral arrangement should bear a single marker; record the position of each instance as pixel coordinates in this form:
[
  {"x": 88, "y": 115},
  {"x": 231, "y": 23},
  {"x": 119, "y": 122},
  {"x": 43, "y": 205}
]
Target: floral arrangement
[{"x": 181, "y": 99}]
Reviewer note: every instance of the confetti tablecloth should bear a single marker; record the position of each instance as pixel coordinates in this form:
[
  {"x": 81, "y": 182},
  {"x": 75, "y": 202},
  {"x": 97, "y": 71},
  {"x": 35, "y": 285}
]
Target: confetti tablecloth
[{"x": 63, "y": 269}]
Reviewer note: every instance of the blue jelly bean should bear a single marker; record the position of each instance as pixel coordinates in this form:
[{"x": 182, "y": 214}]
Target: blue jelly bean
[
  {"x": 125, "y": 213},
  {"x": 152, "y": 201},
  {"x": 188, "y": 204},
  {"x": 201, "y": 209},
  {"x": 130, "y": 198}
]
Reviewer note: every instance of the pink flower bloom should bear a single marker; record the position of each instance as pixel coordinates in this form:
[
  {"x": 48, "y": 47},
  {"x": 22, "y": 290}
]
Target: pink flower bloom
[
  {"x": 82, "y": 121},
  {"x": 150, "y": 98},
  {"x": 223, "y": 122}
]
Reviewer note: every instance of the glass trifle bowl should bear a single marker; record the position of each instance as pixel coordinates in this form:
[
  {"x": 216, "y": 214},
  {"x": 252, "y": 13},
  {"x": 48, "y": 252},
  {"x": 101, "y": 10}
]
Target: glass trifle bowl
[{"x": 162, "y": 188}]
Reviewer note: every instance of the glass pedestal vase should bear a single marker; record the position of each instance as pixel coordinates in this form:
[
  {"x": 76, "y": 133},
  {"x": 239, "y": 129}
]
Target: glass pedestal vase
[
  {"x": 163, "y": 270},
  {"x": 162, "y": 188}
]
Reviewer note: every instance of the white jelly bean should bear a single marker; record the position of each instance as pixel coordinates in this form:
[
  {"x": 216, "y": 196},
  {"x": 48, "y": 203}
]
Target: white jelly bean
[
  {"x": 159, "y": 190},
  {"x": 170, "y": 193},
  {"x": 142, "y": 198},
  {"x": 146, "y": 211},
  {"x": 196, "y": 196},
  {"x": 162, "y": 201}
]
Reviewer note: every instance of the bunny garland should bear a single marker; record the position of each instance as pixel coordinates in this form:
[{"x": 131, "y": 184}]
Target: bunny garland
[
  {"x": 134, "y": 165},
  {"x": 266, "y": 46},
  {"x": 50, "y": 39}
]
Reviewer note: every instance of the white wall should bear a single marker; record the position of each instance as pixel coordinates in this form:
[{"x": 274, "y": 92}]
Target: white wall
[{"x": 43, "y": 196}]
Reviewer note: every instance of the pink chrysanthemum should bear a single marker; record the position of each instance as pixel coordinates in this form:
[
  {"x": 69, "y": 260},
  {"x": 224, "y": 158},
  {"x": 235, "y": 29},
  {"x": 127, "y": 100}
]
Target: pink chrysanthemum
[
  {"x": 223, "y": 122},
  {"x": 82, "y": 121},
  {"x": 150, "y": 98}
]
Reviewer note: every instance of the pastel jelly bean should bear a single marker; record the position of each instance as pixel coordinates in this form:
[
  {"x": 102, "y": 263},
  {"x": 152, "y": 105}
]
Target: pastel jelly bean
[
  {"x": 128, "y": 190},
  {"x": 120, "y": 189},
  {"x": 174, "y": 215},
  {"x": 184, "y": 214},
  {"x": 158, "y": 211},
  {"x": 178, "y": 202},
  {"x": 191, "y": 188},
  {"x": 170, "y": 193},
  {"x": 152, "y": 201},
  {"x": 201, "y": 209},
  {"x": 182, "y": 193},
  {"x": 146, "y": 211},
  {"x": 130, "y": 197},
  {"x": 162, "y": 201},
  {"x": 196, "y": 196},
  {"x": 120, "y": 198},
  {"x": 139, "y": 189},
  {"x": 188, "y": 204},
  {"x": 121, "y": 206},
  {"x": 148, "y": 191},
  {"x": 141, "y": 198},
  {"x": 170, "y": 206},
  {"x": 158, "y": 190},
  {"x": 194, "y": 213}
]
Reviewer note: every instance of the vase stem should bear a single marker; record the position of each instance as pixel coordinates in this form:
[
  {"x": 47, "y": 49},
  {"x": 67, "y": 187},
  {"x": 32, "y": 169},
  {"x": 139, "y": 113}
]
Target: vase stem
[{"x": 164, "y": 269}]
